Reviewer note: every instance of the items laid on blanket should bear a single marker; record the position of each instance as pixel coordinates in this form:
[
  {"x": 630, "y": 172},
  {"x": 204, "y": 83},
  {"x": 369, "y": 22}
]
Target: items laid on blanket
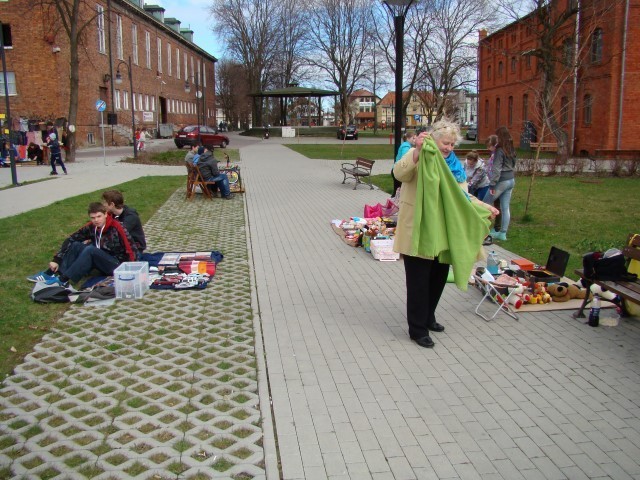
[
  {"x": 375, "y": 235},
  {"x": 182, "y": 271}
]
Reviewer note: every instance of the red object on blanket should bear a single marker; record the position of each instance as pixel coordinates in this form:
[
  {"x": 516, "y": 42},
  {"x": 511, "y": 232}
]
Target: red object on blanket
[{"x": 198, "y": 267}]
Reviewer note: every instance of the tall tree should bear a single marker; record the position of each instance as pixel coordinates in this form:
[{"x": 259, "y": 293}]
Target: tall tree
[
  {"x": 337, "y": 31},
  {"x": 250, "y": 30},
  {"x": 232, "y": 92}
]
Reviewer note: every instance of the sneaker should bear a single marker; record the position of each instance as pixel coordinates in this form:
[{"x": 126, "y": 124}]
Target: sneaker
[
  {"x": 57, "y": 281},
  {"x": 493, "y": 232},
  {"x": 502, "y": 236},
  {"x": 229, "y": 197},
  {"x": 488, "y": 240},
  {"x": 53, "y": 173},
  {"x": 40, "y": 277}
]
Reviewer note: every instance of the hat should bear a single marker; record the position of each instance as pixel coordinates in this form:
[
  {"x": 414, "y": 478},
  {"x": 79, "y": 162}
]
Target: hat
[
  {"x": 200, "y": 150},
  {"x": 52, "y": 136}
]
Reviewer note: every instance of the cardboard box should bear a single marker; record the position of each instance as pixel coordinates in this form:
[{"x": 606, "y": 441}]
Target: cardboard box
[
  {"x": 523, "y": 263},
  {"x": 131, "y": 279}
]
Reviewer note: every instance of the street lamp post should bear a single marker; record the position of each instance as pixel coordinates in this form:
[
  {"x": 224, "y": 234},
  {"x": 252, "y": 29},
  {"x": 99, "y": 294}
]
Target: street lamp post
[
  {"x": 187, "y": 89},
  {"x": 399, "y": 9},
  {"x": 133, "y": 117}
]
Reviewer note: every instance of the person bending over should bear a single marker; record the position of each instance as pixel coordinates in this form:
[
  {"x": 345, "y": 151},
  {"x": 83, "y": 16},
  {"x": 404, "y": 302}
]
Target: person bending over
[
  {"x": 103, "y": 243},
  {"x": 114, "y": 201}
]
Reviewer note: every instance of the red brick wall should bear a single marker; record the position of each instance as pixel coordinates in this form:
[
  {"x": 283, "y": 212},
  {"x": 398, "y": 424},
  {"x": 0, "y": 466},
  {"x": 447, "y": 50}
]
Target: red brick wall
[
  {"x": 42, "y": 77},
  {"x": 602, "y": 81}
]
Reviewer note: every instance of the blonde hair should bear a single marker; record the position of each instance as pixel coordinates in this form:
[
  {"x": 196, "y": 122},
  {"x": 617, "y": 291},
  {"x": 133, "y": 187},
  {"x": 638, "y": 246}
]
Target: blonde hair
[{"x": 446, "y": 127}]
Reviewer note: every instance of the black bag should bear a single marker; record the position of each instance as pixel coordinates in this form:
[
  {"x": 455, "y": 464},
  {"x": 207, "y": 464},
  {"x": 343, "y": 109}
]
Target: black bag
[
  {"x": 613, "y": 268},
  {"x": 43, "y": 293}
]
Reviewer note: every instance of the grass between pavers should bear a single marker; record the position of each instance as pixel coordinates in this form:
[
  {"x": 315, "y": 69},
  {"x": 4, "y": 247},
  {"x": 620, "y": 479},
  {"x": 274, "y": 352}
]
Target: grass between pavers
[
  {"x": 27, "y": 244},
  {"x": 176, "y": 156},
  {"x": 576, "y": 214}
]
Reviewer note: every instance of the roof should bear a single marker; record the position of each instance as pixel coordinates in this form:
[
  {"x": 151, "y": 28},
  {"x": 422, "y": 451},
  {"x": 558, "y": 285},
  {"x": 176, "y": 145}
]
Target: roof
[{"x": 295, "y": 92}]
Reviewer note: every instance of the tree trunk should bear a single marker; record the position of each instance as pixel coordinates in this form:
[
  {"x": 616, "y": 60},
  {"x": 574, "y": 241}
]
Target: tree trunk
[{"x": 74, "y": 84}]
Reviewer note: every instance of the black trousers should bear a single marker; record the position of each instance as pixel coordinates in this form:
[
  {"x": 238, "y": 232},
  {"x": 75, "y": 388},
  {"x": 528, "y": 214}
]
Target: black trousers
[
  {"x": 425, "y": 282},
  {"x": 396, "y": 184}
]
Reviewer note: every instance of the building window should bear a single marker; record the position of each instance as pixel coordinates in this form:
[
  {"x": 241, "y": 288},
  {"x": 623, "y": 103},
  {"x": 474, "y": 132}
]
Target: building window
[
  {"x": 11, "y": 84},
  {"x": 117, "y": 99},
  {"x": 500, "y": 69},
  {"x": 147, "y": 46},
  {"x": 153, "y": 103},
  {"x": 102, "y": 44},
  {"x": 525, "y": 107},
  {"x": 587, "y": 109},
  {"x": 564, "y": 110},
  {"x": 486, "y": 112},
  {"x": 159, "y": 45},
  {"x": 186, "y": 72},
  {"x": 133, "y": 102},
  {"x": 193, "y": 70},
  {"x": 528, "y": 62},
  {"x": 134, "y": 43},
  {"x": 513, "y": 64},
  {"x": 489, "y": 72},
  {"x": 125, "y": 100},
  {"x": 510, "y": 111},
  {"x": 596, "y": 46},
  {"x": 178, "y": 63},
  {"x": 498, "y": 112},
  {"x": 140, "y": 101},
  {"x": 146, "y": 103},
  {"x": 204, "y": 77},
  {"x": 567, "y": 52},
  {"x": 169, "y": 59},
  {"x": 7, "y": 41},
  {"x": 119, "y": 49}
]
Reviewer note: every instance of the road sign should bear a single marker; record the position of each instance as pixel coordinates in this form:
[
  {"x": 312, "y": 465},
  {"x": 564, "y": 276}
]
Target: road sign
[
  {"x": 101, "y": 105},
  {"x": 416, "y": 117}
]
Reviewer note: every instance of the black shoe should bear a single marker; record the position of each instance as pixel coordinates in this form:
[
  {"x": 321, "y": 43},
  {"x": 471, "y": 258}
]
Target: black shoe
[
  {"x": 425, "y": 341},
  {"x": 488, "y": 240},
  {"x": 436, "y": 327},
  {"x": 229, "y": 197}
]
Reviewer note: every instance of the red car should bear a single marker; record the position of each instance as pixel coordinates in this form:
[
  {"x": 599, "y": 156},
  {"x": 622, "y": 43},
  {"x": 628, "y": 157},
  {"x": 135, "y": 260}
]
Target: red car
[{"x": 208, "y": 136}]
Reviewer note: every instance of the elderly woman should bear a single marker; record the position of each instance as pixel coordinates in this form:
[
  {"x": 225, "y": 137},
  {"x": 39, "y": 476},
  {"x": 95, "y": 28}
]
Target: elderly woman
[{"x": 439, "y": 224}]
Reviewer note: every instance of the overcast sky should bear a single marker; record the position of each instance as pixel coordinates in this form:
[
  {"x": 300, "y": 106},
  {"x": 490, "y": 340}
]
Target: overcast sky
[{"x": 193, "y": 14}]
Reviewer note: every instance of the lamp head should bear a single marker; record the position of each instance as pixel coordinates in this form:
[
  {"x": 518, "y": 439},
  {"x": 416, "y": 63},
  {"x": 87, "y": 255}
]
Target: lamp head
[
  {"x": 187, "y": 86},
  {"x": 118, "y": 77}
]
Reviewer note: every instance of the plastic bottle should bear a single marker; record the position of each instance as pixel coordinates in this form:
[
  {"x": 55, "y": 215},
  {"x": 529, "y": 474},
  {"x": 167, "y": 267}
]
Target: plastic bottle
[
  {"x": 492, "y": 263},
  {"x": 594, "y": 313}
]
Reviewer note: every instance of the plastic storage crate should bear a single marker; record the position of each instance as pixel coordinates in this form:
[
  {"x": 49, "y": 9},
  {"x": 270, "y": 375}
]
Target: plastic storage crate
[
  {"x": 132, "y": 279},
  {"x": 383, "y": 250}
]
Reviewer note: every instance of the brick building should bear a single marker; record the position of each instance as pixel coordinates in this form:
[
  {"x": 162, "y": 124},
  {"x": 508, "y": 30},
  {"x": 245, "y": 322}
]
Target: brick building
[
  {"x": 595, "y": 105},
  {"x": 164, "y": 60}
]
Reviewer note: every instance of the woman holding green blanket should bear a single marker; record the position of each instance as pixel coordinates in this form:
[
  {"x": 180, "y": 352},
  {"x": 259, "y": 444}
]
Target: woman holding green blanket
[{"x": 439, "y": 224}]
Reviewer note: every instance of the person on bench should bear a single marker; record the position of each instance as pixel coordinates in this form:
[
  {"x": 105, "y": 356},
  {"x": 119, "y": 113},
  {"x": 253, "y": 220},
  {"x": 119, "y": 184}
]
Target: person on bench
[
  {"x": 114, "y": 201},
  {"x": 103, "y": 243},
  {"x": 210, "y": 172}
]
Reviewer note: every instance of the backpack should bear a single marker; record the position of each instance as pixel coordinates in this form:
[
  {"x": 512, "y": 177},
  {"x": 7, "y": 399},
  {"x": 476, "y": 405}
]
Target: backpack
[{"x": 43, "y": 293}]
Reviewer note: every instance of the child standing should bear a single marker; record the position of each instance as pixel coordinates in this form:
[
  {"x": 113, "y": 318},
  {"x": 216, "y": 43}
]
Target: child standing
[
  {"x": 55, "y": 154},
  {"x": 477, "y": 175}
]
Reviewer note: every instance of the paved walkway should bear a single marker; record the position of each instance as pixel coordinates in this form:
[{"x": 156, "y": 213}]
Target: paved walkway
[{"x": 166, "y": 387}]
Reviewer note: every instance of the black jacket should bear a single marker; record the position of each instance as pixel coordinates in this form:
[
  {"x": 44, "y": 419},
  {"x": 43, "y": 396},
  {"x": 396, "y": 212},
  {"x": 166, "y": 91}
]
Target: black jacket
[
  {"x": 130, "y": 219},
  {"x": 208, "y": 166}
]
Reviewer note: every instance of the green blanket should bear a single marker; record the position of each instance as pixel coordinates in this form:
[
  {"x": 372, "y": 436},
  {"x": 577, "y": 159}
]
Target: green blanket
[{"x": 447, "y": 224}]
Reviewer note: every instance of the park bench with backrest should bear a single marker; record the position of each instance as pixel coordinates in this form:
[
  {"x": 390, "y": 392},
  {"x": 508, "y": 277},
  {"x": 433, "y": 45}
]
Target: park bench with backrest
[
  {"x": 358, "y": 170},
  {"x": 548, "y": 146}
]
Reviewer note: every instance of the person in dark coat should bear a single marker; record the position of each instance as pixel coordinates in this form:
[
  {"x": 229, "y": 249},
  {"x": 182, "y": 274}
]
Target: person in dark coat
[
  {"x": 209, "y": 169},
  {"x": 34, "y": 152},
  {"x": 114, "y": 201}
]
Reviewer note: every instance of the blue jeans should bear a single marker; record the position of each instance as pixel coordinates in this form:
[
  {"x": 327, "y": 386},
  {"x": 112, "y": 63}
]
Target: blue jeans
[
  {"x": 503, "y": 193},
  {"x": 222, "y": 182},
  {"x": 81, "y": 258}
]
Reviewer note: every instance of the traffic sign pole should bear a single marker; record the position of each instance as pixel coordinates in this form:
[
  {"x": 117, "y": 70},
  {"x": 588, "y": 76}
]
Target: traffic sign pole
[{"x": 101, "y": 106}]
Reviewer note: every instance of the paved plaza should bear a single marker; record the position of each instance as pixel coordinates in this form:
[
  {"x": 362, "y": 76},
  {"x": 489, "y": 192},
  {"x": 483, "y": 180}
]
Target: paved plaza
[{"x": 296, "y": 363}]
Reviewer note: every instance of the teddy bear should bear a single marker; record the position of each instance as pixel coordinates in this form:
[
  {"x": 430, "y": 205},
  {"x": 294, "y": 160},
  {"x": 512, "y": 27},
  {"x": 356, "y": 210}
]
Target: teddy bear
[{"x": 563, "y": 292}]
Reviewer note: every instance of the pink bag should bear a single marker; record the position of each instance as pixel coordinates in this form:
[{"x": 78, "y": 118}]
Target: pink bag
[{"x": 372, "y": 211}]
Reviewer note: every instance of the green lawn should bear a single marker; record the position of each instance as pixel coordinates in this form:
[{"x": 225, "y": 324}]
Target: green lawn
[
  {"x": 27, "y": 244},
  {"x": 576, "y": 214}
]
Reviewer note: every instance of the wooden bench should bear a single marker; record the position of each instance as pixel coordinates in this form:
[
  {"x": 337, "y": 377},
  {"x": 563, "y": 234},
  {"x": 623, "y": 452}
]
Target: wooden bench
[
  {"x": 627, "y": 290},
  {"x": 361, "y": 169},
  {"x": 550, "y": 146}
]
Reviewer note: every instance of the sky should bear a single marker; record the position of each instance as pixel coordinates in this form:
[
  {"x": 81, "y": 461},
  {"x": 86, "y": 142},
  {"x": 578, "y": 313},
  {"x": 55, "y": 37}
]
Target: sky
[{"x": 193, "y": 14}]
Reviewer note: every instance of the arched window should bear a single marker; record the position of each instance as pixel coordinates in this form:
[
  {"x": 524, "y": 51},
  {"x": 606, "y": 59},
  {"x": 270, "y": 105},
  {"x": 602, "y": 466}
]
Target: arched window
[
  {"x": 596, "y": 46},
  {"x": 498, "y": 112},
  {"x": 486, "y": 112},
  {"x": 500, "y": 68},
  {"x": 513, "y": 64},
  {"x": 567, "y": 52},
  {"x": 510, "y": 111},
  {"x": 588, "y": 102},
  {"x": 489, "y": 72},
  {"x": 525, "y": 107}
]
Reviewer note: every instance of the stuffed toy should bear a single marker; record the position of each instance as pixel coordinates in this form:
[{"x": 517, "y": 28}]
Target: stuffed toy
[
  {"x": 559, "y": 292},
  {"x": 575, "y": 291},
  {"x": 604, "y": 294}
]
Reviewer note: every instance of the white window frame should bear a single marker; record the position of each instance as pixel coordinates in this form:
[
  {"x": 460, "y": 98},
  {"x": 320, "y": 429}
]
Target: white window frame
[
  {"x": 119, "y": 47},
  {"x": 153, "y": 103},
  {"x": 147, "y": 41},
  {"x": 134, "y": 43},
  {"x": 125, "y": 100},
  {"x": 186, "y": 70},
  {"x": 117, "y": 99},
  {"x": 159, "y": 45},
  {"x": 102, "y": 42},
  {"x": 204, "y": 76},
  {"x": 192, "y": 71},
  {"x": 140, "y": 102},
  {"x": 178, "y": 63},
  {"x": 146, "y": 103},
  {"x": 169, "y": 59},
  {"x": 199, "y": 76},
  {"x": 11, "y": 87}
]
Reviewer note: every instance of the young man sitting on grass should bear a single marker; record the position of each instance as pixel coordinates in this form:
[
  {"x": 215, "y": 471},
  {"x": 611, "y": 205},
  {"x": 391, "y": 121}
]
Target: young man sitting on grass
[
  {"x": 114, "y": 201},
  {"x": 103, "y": 244}
]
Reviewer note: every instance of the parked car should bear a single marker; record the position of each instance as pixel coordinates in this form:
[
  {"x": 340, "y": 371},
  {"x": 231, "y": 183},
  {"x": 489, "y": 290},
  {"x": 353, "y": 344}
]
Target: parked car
[
  {"x": 208, "y": 136},
  {"x": 351, "y": 132},
  {"x": 472, "y": 133}
]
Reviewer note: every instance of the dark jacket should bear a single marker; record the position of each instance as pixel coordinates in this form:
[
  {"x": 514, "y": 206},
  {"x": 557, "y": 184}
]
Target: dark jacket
[
  {"x": 54, "y": 147},
  {"x": 115, "y": 240},
  {"x": 131, "y": 220},
  {"x": 208, "y": 166},
  {"x": 503, "y": 167},
  {"x": 34, "y": 152}
]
